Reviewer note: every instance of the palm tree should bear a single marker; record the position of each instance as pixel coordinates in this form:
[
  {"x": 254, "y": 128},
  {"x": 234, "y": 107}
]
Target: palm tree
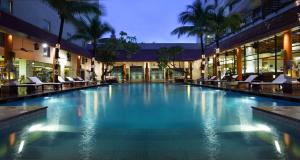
[
  {"x": 67, "y": 11},
  {"x": 194, "y": 21},
  {"x": 91, "y": 30},
  {"x": 219, "y": 23}
]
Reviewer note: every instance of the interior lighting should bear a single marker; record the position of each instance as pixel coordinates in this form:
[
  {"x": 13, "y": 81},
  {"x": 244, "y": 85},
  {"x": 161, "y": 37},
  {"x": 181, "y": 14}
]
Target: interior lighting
[
  {"x": 21, "y": 146},
  {"x": 45, "y": 45},
  {"x": 277, "y": 146}
]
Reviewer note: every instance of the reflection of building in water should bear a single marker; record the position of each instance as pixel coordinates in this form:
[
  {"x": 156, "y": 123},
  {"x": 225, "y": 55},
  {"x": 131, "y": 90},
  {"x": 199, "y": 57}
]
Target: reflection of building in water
[{"x": 147, "y": 93}]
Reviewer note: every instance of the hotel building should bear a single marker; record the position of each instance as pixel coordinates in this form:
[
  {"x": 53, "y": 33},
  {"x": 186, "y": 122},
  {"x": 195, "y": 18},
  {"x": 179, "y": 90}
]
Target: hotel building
[{"x": 268, "y": 42}]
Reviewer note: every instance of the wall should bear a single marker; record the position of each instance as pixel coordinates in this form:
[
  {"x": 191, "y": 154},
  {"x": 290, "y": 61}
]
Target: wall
[{"x": 39, "y": 14}]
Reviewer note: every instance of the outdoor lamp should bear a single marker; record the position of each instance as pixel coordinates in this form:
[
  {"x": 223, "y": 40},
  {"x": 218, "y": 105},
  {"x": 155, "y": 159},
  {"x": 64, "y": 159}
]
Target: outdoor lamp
[{"x": 45, "y": 45}]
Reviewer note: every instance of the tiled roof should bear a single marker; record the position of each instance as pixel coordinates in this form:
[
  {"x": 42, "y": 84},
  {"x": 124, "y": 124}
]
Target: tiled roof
[{"x": 150, "y": 55}]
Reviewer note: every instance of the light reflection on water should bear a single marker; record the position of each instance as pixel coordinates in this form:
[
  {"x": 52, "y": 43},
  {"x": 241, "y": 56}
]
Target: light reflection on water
[{"x": 150, "y": 121}]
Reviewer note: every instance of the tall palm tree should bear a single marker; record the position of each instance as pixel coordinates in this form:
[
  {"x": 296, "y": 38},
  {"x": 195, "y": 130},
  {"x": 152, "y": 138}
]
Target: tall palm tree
[
  {"x": 194, "y": 21},
  {"x": 219, "y": 23},
  {"x": 67, "y": 11},
  {"x": 91, "y": 30}
]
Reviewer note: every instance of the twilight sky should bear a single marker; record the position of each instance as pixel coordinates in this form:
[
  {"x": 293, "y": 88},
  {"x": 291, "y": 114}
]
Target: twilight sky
[{"x": 148, "y": 20}]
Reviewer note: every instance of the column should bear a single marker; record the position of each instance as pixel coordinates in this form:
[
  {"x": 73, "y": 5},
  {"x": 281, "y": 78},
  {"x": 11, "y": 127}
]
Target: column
[
  {"x": 206, "y": 67},
  {"x": 287, "y": 46},
  {"x": 78, "y": 66},
  {"x": 8, "y": 47},
  {"x": 215, "y": 65},
  {"x": 239, "y": 63},
  {"x": 8, "y": 56},
  {"x": 191, "y": 69},
  {"x": 124, "y": 73},
  {"x": 147, "y": 73}
]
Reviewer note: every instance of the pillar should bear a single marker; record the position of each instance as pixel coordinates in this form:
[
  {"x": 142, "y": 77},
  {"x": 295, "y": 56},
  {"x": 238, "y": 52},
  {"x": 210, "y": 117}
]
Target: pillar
[
  {"x": 8, "y": 47},
  {"x": 78, "y": 66},
  {"x": 206, "y": 67},
  {"x": 239, "y": 63},
  {"x": 147, "y": 76},
  {"x": 124, "y": 73},
  {"x": 191, "y": 69},
  {"x": 287, "y": 46},
  {"x": 8, "y": 57},
  {"x": 215, "y": 65}
]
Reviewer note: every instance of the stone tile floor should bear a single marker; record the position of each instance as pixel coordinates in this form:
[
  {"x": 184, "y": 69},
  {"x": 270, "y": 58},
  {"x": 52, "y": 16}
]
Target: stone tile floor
[{"x": 9, "y": 112}]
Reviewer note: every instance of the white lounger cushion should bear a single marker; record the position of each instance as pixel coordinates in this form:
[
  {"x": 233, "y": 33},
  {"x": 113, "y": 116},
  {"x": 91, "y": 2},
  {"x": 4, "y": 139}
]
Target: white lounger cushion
[
  {"x": 70, "y": 79},
  {"x": 212, "y": 78},
  {"x": 61, "y": 80},
  {"x": 79, "y": 78},
  {"x": 279, "y": 79},
  {"x": 250, "y": 78},
  {"x": 35, "y": 80}
]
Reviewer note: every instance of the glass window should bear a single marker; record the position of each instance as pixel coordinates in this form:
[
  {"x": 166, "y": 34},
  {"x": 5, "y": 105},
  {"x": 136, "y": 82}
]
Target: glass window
[
  {"x": 251, "y": 59},
  {"x": 296, "y": 50},
  {"x": 267, "y": 55}
]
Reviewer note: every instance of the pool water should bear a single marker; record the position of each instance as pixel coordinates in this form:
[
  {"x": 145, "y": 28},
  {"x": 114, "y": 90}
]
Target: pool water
[{"x": 150, "y": 121}]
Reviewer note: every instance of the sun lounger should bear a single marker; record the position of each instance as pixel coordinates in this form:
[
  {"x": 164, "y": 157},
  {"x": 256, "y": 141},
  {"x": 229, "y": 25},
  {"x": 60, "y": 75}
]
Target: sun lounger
[
  {"x": 179, "y": 79},
  {"x": 36, "y": 80},
  {"x": 213, "y": 78},
  {"x": 82, "y": 80},
  {"x": 276, "y": 82},
  {"x": 111, "y": 79},
  {"x": 13, "y": 88},
  {"x": 70, "y": 79},
  {"x": 63, "y": 82},
  {"x": 246, "y": 82}
]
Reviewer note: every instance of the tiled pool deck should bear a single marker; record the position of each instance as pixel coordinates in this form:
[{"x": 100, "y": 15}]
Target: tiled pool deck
[
  {"x": 294, "y": 97},
  {"x": 9, "y": 112},
  {"x": 44, "y": 93}
]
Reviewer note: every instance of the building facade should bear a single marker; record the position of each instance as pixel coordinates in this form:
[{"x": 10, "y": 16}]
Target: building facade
[
  {"x": 33, "y": 27},
  {"x": 267, "y": 43}
]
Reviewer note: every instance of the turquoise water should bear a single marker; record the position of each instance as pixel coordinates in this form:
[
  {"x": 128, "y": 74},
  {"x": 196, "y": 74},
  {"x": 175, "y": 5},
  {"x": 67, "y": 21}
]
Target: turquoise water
[{"x": 150, "y": 121}]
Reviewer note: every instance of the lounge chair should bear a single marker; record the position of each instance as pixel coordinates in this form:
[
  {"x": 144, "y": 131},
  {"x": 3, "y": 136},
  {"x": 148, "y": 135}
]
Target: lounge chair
[
  {"x": 12, "y": 89},
  {"x": 63, "y": 82},
  {"x": 212, "y": 79},
  {"x": 216, "y": 81},
  {"x": 111, "y": 79},
  {"x": 276, "y": 82},
  {"x": 247, "y": 82},
  {"x": 82, "y": 80},
  {"x": 179, "y": 79},
  {"x": 36, "y": 80},
  {"x": 70, "y": 79}
]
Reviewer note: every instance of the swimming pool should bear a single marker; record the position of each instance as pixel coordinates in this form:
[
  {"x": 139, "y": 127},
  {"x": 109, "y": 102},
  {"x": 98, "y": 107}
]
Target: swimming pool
[{"x": 150, "y": 121}]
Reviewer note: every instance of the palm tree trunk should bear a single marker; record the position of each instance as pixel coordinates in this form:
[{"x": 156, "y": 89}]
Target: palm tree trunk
[
  {"x": 217, "y": 56},
  {"x": 57, "y": 47},
  {"x": 93, "y": 60},
  {"x": 203, "y": 53},
  {"x": 202, "y": 44}
]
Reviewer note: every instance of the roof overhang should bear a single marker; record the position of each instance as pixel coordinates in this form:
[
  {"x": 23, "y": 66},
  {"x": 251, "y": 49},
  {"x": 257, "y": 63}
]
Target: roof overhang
[
  {"x": 277, "y": 24},
  {"x": 14, "y": 24}
]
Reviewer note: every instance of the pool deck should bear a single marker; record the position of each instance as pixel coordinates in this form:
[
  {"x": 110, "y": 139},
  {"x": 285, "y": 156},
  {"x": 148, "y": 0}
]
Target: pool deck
[
  {"x": 45, "y": 93},
  {"x": 294, "y": 97},
  {"x": 11, "y": 112},
  {"x": 290, "y": 113}
]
